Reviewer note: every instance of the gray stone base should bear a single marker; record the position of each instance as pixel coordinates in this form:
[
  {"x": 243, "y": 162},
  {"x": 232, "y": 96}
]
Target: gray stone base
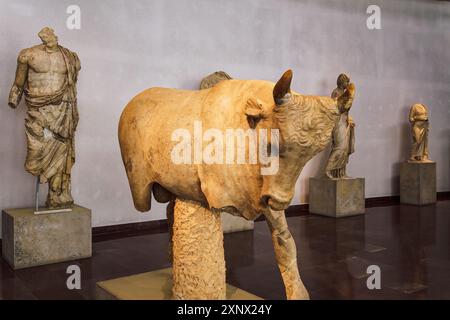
[
  {"x": 336, "y": 197},
  {"x": 232, "y": 223},
  {"x": 418, "y": 183},
  {"x": 32, "y": 240}
]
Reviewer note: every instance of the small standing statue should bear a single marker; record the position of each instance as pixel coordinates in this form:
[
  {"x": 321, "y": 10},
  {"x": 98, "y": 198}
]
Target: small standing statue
[
  {"x": 418, "y": 117},
  {"x": 47, "y": 74},
  {"x": 343, "y": 137}
]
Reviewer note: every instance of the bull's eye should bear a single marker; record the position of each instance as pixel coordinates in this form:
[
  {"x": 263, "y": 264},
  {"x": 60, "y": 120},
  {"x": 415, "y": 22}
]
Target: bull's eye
[{"x": 253, "y": 121}]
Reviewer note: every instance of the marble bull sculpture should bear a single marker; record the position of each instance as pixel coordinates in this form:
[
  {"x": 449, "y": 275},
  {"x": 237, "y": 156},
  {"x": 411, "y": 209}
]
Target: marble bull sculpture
[{"x": 304, "y": 124}]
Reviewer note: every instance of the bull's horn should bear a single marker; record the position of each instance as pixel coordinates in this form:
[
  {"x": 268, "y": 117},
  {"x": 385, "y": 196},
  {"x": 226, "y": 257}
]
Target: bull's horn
[{"x": 282, "y": 90}]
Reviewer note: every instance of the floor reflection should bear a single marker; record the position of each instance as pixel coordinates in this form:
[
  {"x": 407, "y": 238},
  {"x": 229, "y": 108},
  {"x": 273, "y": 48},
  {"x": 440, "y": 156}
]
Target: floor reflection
[{"x": 411, "y": 245}]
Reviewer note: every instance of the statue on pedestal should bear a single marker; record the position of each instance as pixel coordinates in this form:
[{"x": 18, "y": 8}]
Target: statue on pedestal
[
  {"x": 418, "y": 117},
  {"x": 162, "y": 133},
  {"x": 47, "y": 75},
  {"x": 343, "y": 136}
]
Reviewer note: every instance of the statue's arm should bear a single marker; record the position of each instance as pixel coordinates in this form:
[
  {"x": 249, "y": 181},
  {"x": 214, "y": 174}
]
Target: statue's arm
[
  {"x": 77, "y": 62},
  {"x": 15, "y": 94},
  {"x": 345, "y": 100}
]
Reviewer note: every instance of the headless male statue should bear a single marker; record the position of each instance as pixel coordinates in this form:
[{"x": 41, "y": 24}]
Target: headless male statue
[
  {"x": 343, "y": 137},
  {"x": 47, "y": 75}
]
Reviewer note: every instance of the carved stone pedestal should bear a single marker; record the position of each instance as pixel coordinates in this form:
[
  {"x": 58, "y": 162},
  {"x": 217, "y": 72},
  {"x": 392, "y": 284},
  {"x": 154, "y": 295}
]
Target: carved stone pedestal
[
  {"x": 336, "y": 197},
  {"x": 197, "y": 253},
  {"x": 31, "y": 240},
  {"x": 418, "y": 183}
]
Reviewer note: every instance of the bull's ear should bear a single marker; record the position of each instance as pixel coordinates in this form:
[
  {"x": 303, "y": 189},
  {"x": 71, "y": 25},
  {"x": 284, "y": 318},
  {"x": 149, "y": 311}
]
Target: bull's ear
[
  {"x": 282, "y": 90},
  {"x": 345, "y": 101},
  {"x": 254, "y": 111}
]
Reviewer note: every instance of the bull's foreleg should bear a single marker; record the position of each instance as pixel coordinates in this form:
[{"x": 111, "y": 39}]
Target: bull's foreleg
[{"x": 286, "y": 255}]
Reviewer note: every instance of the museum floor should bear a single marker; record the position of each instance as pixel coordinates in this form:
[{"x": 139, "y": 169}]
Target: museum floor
[{"x": 410, "y": 244}]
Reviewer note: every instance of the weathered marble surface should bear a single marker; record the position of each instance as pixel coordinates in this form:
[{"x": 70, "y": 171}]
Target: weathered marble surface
[
  {"x": 198, "y": 255},
  {"x": 336, "y": 197},
  {"x": 214, "y": 78},
  {"x": 343, "y": 136},
  {"x": 230, "y": 223},
  {"x": 418, "y": 117},
  {"x": 418, "y": 183},
  {"x": 304, "y": 122},
  {"x": 31, "y": 240},
  {"x": 46, "y": 75}
]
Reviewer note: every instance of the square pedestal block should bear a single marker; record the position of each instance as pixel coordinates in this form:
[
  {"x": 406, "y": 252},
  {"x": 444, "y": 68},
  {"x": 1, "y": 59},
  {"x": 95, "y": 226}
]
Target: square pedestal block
[
  {"x": 154, "y": 285},
  {"x": 232, "y": 223},
  {"x": 418, "y": 183},
  {"x": 336, "y": 197},
  {"x": 32, "y": 240}
]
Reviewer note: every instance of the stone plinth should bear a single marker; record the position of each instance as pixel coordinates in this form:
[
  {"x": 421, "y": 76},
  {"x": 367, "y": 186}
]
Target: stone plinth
[
  {"x": 336, "y": 197},
  {"x": 418, "y": 183},
  {"x": 154, "y": 285},
  {"x": 232, "y": 223},
  {"x": 32, "y": 240}
]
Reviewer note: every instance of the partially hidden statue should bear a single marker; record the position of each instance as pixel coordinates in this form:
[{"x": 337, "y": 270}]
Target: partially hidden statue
[
  {"x": 159, "y": 123},
  {"x": 343, "y": 136},
  {"x": 47, "y": 75},
  {"x": 418, "y": 117},
  {"x": 214, "y": 78}
]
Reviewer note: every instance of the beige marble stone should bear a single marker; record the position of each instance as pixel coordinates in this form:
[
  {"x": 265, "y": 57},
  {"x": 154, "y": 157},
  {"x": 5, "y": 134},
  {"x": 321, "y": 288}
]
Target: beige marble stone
[
  {"x": 304, "y": 124},
  {"x": 198, "y": 257},
  {"x": 230, "y": 223},
  {"x": 47, "y": 75},
  {"x": 343, "y": 136},
  {"x": 31, "y": 240},
  {"x": 418, "y": 117},
  {"x": 154, "y": 285}
]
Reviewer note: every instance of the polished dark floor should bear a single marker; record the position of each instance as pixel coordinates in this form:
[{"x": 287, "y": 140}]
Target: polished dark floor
[{"x": 411, "y": 245}]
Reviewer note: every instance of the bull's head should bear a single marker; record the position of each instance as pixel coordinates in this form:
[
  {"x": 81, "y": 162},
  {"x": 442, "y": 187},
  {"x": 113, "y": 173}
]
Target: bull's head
[{"x": 305, "y": 124}]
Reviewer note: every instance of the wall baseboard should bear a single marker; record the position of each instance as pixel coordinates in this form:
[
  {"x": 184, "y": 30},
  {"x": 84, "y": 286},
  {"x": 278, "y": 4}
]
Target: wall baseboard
[
  {"x": 129, "y": 230},
  {"x": 160, "y": 226}
]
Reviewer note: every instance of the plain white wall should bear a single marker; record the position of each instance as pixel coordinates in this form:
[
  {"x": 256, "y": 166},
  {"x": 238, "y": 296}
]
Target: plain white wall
[{"x": 128, "y": 46}]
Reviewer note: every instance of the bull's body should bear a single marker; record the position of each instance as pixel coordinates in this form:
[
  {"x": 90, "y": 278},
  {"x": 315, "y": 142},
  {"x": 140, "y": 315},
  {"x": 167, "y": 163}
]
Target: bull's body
[
  {"x": 145, "y": 134},
  {"x": 305, "y": 124}
]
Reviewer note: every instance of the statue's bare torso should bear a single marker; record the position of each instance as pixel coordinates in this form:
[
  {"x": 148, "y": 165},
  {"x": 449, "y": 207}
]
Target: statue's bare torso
[{"x": 47, "y": 71}]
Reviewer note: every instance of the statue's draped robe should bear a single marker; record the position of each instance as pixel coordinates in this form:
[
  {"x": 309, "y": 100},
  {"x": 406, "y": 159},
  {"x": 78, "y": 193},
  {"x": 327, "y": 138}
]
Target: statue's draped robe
[
  {"x": 343, "y": 145},
  {"x": 50, "y": 126},
  {"x": 419, "y": 128}
]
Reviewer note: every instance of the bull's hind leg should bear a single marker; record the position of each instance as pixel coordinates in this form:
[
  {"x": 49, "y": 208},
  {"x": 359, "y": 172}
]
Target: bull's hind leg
[
  {"x": 286, "y": 255},
  {"x": 198, "y": 255}
]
